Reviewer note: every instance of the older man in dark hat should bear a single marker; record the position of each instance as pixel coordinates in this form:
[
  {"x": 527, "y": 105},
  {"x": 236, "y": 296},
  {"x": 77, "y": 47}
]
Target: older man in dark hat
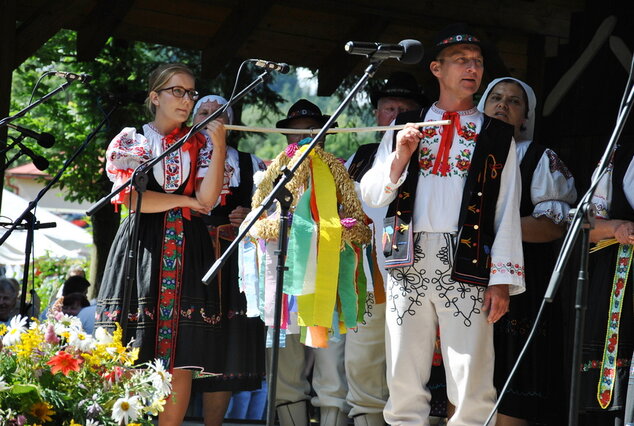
[
  {"x": 328, "y": 375},
  {"x": 399, "y": 94},
  {"x": 451, "y": 238}
]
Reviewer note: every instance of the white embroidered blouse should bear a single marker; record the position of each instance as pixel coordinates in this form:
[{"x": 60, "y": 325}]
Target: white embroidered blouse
[
  {"x": 603, "y": 195},
  {"x": 552, "y": 187},
  {"x": 129, "y": 149}
]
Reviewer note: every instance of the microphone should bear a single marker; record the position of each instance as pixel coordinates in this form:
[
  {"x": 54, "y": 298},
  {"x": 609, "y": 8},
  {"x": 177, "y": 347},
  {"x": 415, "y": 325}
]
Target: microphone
[
  {"x": 275, "y": 66},
  {"x": 407, "y": 51},
  {"x": 71, "y": 76},
  {"x": 45, "y": 140},
  {"x": 39, "y": 162}
]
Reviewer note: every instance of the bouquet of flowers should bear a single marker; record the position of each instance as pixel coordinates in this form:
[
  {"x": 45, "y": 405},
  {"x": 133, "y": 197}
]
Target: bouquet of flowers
[{"x": 52, "y": 372}]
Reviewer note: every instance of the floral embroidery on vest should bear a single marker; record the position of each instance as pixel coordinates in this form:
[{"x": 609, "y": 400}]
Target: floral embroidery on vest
[{"x": 459, "y": 164}]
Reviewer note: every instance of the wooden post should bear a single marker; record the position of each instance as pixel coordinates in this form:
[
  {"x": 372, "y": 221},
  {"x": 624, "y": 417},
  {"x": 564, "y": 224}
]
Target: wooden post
[{"x": 7, "y": 58}]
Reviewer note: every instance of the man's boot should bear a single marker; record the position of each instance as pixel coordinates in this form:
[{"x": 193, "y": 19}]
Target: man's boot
[
  {"x": 374, "y": 419},
  {"x": 332, "y": 416},
  {"x": 292, "y": 414}
]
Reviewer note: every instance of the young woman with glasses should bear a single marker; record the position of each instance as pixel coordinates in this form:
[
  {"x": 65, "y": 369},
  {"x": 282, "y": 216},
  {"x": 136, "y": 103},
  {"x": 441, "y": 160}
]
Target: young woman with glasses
[{"x": 172, "y": 315}]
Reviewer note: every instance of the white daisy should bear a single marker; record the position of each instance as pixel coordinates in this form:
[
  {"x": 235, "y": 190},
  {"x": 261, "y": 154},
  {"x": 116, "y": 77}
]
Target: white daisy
[
  {"x": 126, "y": 409},
  {"x": 161, "y": 379},
  {"x": 90, "y": 422},
  {"x": 17, "y": 326},
  {"x": 102, "y": 336},
  {"x": 81, "y": 340},
  {"x": 68, "y": 324},
  {"x": 3, "y": 385}
]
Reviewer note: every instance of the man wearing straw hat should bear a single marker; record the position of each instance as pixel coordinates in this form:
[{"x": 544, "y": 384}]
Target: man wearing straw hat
[{"x": 450, "y": 237}]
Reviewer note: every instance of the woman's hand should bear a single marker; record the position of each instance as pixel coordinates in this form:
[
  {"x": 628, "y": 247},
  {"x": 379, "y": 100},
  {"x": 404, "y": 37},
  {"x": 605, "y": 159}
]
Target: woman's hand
[
  {"x": 624, "y": 232},
  {"x": 236, "y": 217},
  {"x": 195, "y": 204},
  {"x": 216, "y": 131}
]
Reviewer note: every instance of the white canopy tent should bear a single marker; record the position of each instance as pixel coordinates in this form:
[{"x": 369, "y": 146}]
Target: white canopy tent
[{"x": 64, "y": 240}]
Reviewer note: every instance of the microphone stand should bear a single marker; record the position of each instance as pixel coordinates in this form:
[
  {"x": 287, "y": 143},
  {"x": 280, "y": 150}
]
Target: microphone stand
[
  {"x": 16, "y": 142},
  {"x": 28, "y": 216},
  {"x": 284, "y": 197},
  {"x": 139, "y": 181},
  {"x": 21, "y": 113},
  {"x": 31, "y": 225},
  {"x": 582, "y": 221}
]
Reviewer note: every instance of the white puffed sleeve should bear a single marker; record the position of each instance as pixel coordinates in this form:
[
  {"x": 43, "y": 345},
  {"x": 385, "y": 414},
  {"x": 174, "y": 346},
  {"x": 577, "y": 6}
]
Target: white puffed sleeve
[
  {"x": 124, "y": 154},
  {"x": 204, "y": 158},
  {"x": 552, "y": 188},
  {"x": 377, "y": 189}
]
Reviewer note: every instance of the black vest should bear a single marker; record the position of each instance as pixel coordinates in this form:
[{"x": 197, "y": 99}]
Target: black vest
[
  {"x": 472, "y": 258},
  {"x": 530, "y": 161},
  {"x": 362, "y": 161}
]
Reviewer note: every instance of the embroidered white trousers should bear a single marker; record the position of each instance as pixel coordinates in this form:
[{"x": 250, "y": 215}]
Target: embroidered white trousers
[{"x": 420, "y": 299}]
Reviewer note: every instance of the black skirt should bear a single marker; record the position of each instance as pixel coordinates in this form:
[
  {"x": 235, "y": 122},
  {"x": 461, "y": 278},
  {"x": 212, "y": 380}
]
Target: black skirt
[
  {"x": 172, "y": 315},
  {"x": 535, "y": 393}
]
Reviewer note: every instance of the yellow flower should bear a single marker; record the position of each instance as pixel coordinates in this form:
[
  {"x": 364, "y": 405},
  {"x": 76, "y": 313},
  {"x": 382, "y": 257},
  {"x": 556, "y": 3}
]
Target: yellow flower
[
  {"x": 156, "y": 407},
  {"x": 134, "y": 424},
  {"x": 72, "y": 423},
  {"x": 32, "y": 339},
  {"x": 42, "y": 410},
  {"x": 3, "y": 329}
]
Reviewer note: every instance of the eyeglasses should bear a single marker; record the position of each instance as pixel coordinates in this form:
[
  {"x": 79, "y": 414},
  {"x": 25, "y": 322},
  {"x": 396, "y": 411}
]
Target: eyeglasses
[
  {"x": 464, "y": 61},
  {"x": 180, "y": 92}
]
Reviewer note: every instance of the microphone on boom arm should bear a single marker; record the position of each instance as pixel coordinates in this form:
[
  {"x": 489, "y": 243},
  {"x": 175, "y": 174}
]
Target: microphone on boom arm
[{"x": 407, "y": 51}]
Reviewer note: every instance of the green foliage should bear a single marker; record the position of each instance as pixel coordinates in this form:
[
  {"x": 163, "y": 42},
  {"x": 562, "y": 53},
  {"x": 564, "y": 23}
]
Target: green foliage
[
  {"x": 292, "y": 88},
  {"x": 50, "y": 273}
]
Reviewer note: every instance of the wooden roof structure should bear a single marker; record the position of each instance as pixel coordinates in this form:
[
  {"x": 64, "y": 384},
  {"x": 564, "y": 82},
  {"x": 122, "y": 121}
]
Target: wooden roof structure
[
  {"x": 537, "y": 40},
  {"x": 301, "y": 33}
]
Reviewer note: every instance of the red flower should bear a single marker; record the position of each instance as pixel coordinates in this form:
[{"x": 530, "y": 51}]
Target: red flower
[
  {"x": 64, "y": 362},
  {"x": 425, "y": 164},
  {"x": 114, "y": 376}
]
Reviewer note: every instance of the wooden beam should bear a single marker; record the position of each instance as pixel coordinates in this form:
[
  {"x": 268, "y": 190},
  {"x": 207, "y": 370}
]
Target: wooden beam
[
  {"x": 99, "y": 25},
  {"x": 7, "y": 50},
  {"x": 338, "y": 64},
  {"x": 235, "y": 30},
  {"x": 39, "y": 28}
]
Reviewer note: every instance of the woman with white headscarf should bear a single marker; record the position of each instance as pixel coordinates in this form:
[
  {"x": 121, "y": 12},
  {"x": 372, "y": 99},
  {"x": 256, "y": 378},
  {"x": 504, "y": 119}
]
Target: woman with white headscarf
[
  {"x": 245, "y": 336},
  {"x": 548, "y": 190}
]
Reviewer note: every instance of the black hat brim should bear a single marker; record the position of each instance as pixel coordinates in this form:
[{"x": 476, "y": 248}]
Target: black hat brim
[{"x": 283, "y": 124}]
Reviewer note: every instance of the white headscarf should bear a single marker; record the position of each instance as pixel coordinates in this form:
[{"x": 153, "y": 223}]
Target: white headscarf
[
  {"x": 214, "y": 98},
  {"x": 529, "y": 125}
]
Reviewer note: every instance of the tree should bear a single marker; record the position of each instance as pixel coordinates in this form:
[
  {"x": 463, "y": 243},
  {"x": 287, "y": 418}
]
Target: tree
[{"x": 119, "y": 78}]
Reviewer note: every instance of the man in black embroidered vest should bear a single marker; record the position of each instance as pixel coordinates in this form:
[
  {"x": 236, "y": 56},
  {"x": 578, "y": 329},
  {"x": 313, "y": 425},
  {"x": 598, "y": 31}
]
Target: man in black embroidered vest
[
  {"x": 365, "y": 345},
  {"x": 451, "y": 239}
]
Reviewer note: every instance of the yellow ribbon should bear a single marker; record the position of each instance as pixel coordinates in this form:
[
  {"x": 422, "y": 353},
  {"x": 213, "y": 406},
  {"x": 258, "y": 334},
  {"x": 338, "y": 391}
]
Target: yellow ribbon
[{"x": 316, "y": 309}]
